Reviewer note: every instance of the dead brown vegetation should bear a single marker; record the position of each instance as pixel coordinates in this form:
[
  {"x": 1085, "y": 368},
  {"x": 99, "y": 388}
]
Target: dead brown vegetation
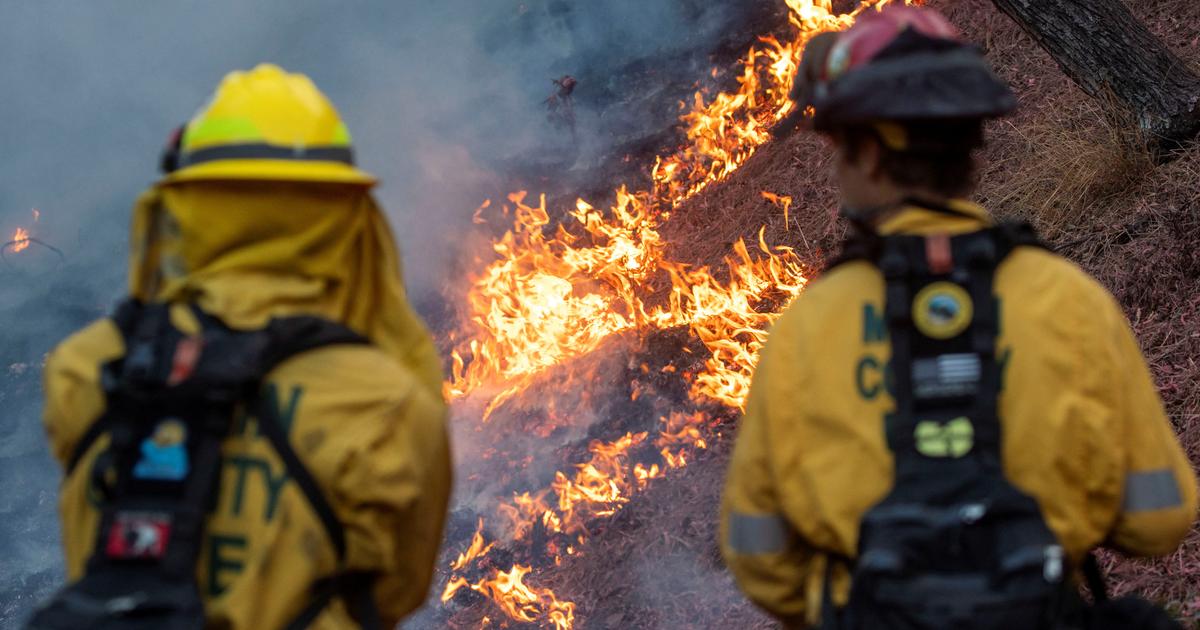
[
  {"x": 1072, "y": 165},
  {"x": 1066, "y": 162}
]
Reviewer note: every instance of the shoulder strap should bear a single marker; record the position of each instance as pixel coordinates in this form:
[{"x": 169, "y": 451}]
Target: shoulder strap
[
  {"x": 1013, "y": 234},
  {"x": 271, "y": 428},
  {"x": 1095, "y": 578},
  {"x": 862, "y": 243},
  {"x": 124, "y": 317},
  {"x": 355, "y": 591},
  {"x": 289, "y": 337}
]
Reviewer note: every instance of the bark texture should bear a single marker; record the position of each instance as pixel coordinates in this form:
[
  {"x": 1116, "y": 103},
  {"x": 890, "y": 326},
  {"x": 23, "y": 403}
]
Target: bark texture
[{"x": 1105, "y": 49}]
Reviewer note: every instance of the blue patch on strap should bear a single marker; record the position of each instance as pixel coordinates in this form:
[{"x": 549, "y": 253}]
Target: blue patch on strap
[{"x": 164, "y": 453}]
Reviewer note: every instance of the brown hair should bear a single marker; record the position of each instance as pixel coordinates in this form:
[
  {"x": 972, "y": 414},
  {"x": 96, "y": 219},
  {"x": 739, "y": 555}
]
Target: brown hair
[{"x": 934, "y": 155}]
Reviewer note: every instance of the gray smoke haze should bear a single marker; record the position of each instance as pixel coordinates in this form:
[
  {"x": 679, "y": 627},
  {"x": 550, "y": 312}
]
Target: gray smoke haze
[{"x": 443, "y": 97}]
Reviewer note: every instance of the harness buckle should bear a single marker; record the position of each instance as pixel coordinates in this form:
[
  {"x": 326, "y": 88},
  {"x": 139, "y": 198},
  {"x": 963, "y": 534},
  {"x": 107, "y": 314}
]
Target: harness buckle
[{"x": 938, "y": 254}]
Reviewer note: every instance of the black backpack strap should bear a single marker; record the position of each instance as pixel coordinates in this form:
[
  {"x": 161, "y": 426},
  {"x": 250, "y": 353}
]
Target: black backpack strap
[
  {"x": 97, "y": 428},
  {"x": 125, "y": 316},
  {"x": 1094, "y": 578},
  {"x": 355, "y": 591},
  {"x": 862, "y": 242},
  {"x": 271, "y": 428},
  {"x": 896, "y": 265},
  {"x": 832, "y": 617},
  {"x": 980, "y": 255},
  {"x": 289, "y": 337},
  {"x": 907, "y": 269},
  {"x": 165, "y": 449},
  {"x": 1013, "y": 234}
]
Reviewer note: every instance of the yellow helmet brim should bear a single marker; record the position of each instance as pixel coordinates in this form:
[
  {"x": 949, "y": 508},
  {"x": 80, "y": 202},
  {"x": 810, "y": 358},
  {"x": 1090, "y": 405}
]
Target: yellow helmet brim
[{"x": 272, "y": 170}]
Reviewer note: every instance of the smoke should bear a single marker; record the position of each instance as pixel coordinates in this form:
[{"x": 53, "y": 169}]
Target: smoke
[{"x": 445, "y": 100}]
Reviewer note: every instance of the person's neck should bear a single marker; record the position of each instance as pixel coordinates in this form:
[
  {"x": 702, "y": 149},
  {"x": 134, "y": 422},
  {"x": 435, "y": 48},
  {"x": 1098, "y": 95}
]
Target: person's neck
[{"x": 896, "y": 199}]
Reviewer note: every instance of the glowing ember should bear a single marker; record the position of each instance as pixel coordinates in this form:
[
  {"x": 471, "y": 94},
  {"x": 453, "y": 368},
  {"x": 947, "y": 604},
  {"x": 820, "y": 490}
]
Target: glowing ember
[
  {"x": 20, "y": 240},
  {"x": 557, "y": 291}
]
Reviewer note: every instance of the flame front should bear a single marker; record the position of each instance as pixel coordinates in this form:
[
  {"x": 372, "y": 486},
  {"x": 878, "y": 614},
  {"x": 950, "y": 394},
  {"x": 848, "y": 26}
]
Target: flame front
[
  {"x": 517, "y": 599},
  {"x": 555, "y": 292}
]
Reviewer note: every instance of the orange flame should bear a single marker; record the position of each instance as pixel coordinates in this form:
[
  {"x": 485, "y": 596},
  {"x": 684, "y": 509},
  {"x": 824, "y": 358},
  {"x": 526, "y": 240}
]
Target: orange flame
[
  {"x": 556, "y": 292},
  {"x": 783, "y": 201},
  {"x": 517, "y": 599},
  {"x": 476, "y": 549},
  {"x": 20, "y": 240}
]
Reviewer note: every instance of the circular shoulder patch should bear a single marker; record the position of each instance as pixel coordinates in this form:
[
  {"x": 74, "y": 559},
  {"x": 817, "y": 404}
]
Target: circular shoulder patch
[{"x": 942, "y": 310}]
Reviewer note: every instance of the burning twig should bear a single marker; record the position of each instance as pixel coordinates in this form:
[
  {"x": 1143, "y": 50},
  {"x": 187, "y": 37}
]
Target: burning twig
[
  {"x": 561, "y": 105},
  {"x": 22, "y": 242}
]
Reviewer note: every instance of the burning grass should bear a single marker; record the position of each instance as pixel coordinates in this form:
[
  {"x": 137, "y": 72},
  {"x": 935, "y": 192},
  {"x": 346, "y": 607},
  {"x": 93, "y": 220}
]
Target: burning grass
[
  {"x": 608, "y": 519},
  {"x": 558, "y": 291},
  {"x": 1081, "y": 175}
]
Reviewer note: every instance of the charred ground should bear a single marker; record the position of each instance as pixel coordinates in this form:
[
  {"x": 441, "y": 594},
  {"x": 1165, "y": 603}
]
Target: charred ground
[{"x": 1065, "y": 163}]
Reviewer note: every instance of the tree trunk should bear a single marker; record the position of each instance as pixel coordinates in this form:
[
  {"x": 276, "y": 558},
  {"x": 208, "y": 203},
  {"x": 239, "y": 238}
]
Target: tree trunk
[{"x": 1106, "y": 50}]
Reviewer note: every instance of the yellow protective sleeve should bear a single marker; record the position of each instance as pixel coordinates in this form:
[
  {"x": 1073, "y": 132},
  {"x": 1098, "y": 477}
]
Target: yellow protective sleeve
[
  {"x": 392, "y": 500},
  {"x": 1159, "y": 500},
  {"x": 769, "y": 561},
  {"x": 72, "y": 399}
]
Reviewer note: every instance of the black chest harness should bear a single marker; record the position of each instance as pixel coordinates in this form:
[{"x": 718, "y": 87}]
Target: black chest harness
[
  {"x": 171, "y": 401},
  {"x": 954, "y": 544}
]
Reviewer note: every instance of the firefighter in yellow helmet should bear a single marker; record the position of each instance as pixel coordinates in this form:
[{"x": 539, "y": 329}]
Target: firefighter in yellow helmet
[
  {"x": 267, "y": 310},
  {"x": 943, "y": 426}
]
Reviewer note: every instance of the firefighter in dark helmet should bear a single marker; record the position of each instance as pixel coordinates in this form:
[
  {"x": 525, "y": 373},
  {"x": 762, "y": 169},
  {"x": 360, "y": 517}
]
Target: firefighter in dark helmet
[
  {"x": 944, "y": 425},
  {"x": 269, "y": 345}
]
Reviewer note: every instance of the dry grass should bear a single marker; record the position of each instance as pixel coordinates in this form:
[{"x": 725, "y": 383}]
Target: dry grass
[
  {"x": 1080, "y": 171},
  {"x": 1066, "y": 162},
  {"x": 1057, "y": 175}
]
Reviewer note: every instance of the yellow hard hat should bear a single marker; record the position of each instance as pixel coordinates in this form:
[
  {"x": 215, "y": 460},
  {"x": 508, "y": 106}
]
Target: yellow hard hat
[{"x": 265, "y": 124}]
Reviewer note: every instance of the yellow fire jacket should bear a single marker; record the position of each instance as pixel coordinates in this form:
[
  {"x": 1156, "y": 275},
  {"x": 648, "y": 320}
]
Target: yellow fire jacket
[
  {"x": 371, "y": 436},
  {"x": 368, "y": 422},
  {"x": 1084, "y": 432}
]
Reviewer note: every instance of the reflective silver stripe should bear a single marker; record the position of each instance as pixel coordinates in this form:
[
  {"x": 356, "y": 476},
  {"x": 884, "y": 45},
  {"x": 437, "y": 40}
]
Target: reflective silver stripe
[
  {"x": 264, "y": 151},
  {"x": 1151, "y": 490},
  {"x": 757, "y": 533}
]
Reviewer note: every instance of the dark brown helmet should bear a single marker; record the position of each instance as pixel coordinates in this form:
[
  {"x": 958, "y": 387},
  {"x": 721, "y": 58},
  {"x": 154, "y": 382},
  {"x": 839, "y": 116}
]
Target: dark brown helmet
[{"x": 902, "y": 64}]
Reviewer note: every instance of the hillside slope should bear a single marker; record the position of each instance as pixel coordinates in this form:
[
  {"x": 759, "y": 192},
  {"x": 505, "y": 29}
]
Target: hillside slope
[{"x": 1059, "y": 162}]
